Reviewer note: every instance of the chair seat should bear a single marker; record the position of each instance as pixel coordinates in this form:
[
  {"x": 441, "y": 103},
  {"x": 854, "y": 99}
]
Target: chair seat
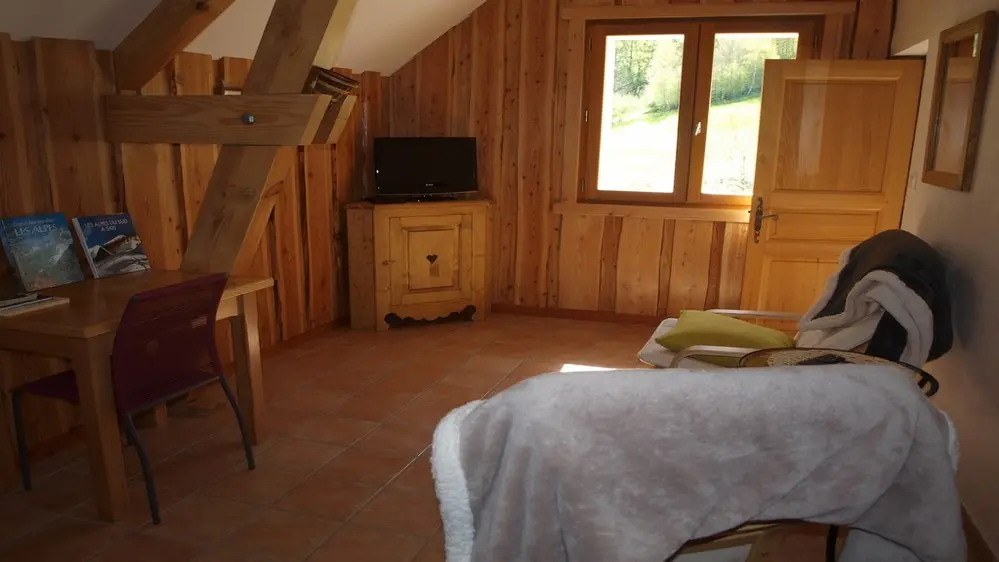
[
  {"x": 658, "y": 356},
  {"x": 62, "y": 386}
]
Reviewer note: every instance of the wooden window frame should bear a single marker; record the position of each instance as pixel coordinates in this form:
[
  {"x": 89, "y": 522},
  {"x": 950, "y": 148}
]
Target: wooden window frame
[
  {"x": 597, "y": 35},
  {"x": 807, "y": 48},
  {"x": 694, "y": 105}
]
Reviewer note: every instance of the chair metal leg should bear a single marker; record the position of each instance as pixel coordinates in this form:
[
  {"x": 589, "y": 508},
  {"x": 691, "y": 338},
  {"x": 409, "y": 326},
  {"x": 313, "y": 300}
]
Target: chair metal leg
[
  {"x": 132, "y": 435},
  {"x": 250, "y": 462},
  {"x": 22, "y": 442},
  {"x": 831, "y": 540}
]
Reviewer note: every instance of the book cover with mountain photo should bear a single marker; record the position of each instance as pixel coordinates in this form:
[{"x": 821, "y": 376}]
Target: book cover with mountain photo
[
  {"x": 40, "y": 250},
  {"x": 111, "y": 244}
]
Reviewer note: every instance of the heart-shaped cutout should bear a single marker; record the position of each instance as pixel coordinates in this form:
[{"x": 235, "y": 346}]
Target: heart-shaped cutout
[{"x": 432, "y": 258}]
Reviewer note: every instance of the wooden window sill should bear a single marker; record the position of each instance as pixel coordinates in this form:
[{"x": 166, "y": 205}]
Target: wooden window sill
[{"x": 678, "y": 212}]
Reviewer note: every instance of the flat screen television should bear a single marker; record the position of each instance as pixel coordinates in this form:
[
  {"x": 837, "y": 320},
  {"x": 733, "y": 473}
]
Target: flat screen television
[{"x": 425, "y": 168}]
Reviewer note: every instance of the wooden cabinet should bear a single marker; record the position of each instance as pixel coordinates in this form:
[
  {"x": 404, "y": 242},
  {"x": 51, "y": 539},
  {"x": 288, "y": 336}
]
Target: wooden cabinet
[{"x": 417, "y": 260}]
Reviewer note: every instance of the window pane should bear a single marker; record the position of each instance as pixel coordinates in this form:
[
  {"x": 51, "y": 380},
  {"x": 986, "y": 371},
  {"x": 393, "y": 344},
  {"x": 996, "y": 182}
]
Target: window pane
[
  {"x": 734, "y": 114},
  {"x": 641, "y": 98}
]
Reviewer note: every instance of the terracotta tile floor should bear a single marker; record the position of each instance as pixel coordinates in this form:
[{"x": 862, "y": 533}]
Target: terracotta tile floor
[{"x": 344, "y": 474}]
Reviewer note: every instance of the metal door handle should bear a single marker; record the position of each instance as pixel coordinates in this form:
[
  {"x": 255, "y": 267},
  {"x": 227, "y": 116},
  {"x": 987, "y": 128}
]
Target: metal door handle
[{"x": 758, "y": 221}]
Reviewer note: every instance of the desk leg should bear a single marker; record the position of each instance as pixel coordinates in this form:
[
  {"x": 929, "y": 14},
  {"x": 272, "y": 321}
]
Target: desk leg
[
  {"x": 249, "y": 374},
  {"x": 91, "y": 361}
]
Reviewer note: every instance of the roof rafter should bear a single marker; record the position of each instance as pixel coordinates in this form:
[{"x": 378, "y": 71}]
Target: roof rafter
[{"x": 170, "y": 27}]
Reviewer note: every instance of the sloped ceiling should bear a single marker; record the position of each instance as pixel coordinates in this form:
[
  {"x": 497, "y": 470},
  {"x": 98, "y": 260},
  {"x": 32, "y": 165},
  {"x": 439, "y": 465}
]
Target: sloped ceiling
[{"x": 383, "y": 34}]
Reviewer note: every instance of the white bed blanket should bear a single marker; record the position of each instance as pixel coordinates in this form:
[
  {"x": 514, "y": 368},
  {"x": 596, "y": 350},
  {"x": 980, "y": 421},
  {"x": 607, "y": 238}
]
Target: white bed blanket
[{"x": 630, "y": 465}]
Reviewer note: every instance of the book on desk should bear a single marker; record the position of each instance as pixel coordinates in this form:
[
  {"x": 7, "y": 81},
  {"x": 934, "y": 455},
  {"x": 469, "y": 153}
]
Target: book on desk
[{"x": 40, "y": 253}]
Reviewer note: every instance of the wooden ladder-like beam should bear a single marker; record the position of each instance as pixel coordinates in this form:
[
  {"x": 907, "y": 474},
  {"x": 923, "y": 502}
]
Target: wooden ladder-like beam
[{"x": 300, "y": 34}]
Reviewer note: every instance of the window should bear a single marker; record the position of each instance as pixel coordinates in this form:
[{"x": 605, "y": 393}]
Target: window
[{"x": 672, "y": 109}]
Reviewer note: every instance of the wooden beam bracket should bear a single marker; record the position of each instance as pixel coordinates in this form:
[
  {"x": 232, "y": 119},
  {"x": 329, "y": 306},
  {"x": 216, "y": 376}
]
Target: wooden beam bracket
[
  {"x": 335, "y": 121},
  {"x": 255, "y": 120}
]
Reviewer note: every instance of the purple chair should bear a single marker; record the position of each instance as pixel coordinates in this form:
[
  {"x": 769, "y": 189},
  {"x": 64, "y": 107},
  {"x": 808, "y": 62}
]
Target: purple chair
[{"x": 164, "y": 348}]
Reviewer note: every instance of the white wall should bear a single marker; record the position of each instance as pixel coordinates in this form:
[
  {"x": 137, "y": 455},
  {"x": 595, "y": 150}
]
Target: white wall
[
  {"x": 965, "y": 227},
  {"x": 383, "y": 34}
]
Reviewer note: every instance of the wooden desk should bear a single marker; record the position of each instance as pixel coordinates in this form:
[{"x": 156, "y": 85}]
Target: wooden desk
[{"x": 83, "y": 333}]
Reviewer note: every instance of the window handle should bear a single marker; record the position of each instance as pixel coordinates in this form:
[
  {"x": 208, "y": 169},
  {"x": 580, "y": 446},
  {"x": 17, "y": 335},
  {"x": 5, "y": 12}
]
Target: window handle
[{"x": 698, "y": 128}]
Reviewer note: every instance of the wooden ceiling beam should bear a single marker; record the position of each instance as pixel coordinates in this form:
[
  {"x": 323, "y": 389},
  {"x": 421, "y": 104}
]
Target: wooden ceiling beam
[
  {"x": 299, "y": 34},
  {"x": 170, "y": 27},
  {"x": 274, "y": 119}
]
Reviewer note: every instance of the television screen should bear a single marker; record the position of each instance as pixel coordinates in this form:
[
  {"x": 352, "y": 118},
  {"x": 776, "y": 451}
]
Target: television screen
[{"x": 416, "y": 167}]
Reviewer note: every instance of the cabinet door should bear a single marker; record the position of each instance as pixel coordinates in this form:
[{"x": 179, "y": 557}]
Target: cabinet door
[{"x": 431, "y": 259}]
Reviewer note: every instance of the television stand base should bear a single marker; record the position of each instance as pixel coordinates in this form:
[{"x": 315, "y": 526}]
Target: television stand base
[{"x": 420, "y": 198}]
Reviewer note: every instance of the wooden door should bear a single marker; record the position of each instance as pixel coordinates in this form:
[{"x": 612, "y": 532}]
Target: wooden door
[
  {"x": 832, "y": 168},
  {"x": 431, "y": 258}
]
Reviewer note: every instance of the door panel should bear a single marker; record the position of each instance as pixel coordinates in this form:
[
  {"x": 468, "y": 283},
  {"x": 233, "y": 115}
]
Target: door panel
[
  {"x": 818, "y": 225},
  {"x": 832, "y": 166},
  {"x": 427, "y": 254},
  {"x": 834, "y": 137}
]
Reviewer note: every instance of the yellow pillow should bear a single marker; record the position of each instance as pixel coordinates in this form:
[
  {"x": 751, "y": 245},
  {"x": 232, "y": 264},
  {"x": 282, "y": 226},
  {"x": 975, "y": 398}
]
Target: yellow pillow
[{"x": 696, "y": 327}]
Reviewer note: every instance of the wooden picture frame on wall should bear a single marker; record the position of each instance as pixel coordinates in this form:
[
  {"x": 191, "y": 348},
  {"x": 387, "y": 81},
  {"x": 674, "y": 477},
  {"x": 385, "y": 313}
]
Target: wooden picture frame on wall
[{"x": 964, "y": 62}]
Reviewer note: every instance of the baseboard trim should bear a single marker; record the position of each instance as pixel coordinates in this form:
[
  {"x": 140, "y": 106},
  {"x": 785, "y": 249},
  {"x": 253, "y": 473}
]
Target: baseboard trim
[
  {"x": 306, "y": 336},
  {"x": 570, "y": 314}
]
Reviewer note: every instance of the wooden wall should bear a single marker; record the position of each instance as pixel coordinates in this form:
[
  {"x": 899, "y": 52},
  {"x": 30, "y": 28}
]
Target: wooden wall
[
  {"x": 52, "y": 159},
  {"x": 500, "y": 75}
]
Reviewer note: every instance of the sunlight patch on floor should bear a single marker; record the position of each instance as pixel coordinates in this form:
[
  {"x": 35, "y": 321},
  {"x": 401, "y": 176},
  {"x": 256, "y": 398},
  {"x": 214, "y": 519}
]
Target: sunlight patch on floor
[{"x": 573, "y": 368}]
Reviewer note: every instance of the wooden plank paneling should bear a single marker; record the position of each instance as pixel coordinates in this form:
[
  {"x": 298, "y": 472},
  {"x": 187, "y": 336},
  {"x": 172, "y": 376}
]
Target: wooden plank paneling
[
  {"x": 462, "y": 46},
  {"x": 194, "y": 74},
  {"x": 733, "y": 265},
  {"x": 404, "y": 109},
  {"x": 558, "y": 125},
  {"x": 638, "y": 266},
  {"x": 688, "y": 285},
  {"x": 665, "y": 266},
  {"x": 715, "y": 265},
  {"x": 487, "y": 105},
  {"x": 374, "y": 123},
  {"x": 70, "y": 86},
  {"x": 319, "y": 236},
  {"x": 349, "y": 185},
  {"x": 609, "y": 249},
  {"x": 874, "y": 27},
  {"x": 155, "y": 211},
  {"x": 579, "y": 263},
  {"x": 35, "y": 138},
  {"x": 537, "y": 82},
  {"x": 505, "y": 196},
  {"x": 289, "y": 259},
  {"x": 435, "y": 88},
  {"x": 16, "y": 191},
  {"x": 361, "y": 226}
]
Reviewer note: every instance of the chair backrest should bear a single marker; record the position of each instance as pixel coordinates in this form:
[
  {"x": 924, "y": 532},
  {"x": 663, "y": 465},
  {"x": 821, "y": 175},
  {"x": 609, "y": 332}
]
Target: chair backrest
[{"x": 165, "y": 344}]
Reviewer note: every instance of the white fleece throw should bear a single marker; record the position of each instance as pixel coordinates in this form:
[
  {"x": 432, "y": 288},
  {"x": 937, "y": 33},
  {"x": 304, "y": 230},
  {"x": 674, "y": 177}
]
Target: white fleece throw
[
  {"x": 627, "y": 466},
  {"x": 878, "y": 293}
]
